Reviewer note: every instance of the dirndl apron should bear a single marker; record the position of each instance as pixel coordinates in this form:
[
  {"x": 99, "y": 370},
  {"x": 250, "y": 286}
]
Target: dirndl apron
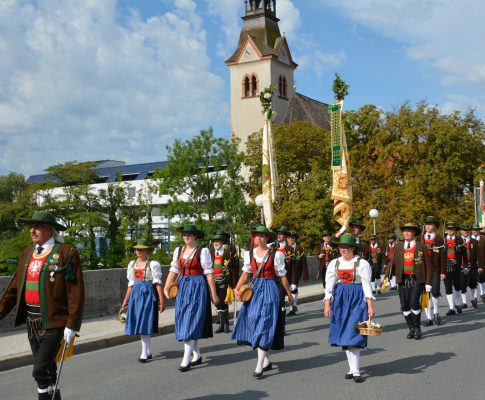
[{"x": 142, "y": 314}]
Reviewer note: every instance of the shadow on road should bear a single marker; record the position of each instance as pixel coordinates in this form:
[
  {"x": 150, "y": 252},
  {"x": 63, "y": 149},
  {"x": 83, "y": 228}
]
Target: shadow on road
[
  {"x": 246, "y": 395},
  {"x": 408, "y": 365}
]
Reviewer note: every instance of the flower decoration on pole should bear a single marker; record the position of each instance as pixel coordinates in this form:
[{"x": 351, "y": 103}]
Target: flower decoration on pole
[{"x": 269, "y": 171}]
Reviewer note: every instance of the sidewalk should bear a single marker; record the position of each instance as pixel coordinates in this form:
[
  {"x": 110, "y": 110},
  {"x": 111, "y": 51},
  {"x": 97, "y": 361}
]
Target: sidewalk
[{"x": 100, "y": 333}]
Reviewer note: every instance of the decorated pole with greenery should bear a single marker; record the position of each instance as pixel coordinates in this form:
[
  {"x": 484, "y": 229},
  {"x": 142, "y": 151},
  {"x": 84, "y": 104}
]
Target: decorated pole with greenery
[
  {"x": 341, "y": 184},
  {"x": 269, "y": 175}
]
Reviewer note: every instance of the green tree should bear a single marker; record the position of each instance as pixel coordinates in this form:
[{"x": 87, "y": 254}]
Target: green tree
[{"x": 202, "y": 178}]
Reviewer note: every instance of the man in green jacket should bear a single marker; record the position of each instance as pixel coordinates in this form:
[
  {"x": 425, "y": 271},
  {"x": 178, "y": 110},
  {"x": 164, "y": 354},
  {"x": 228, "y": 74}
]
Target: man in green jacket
[{"x": 48, "y": 290}]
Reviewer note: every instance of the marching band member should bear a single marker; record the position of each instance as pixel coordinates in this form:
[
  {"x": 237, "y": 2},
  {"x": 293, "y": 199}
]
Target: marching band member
[
  {"x": 326, "y": 253},
  {"x": 193, "y": 316},
  {"x": 469, "y": 274},
  {"x": 259, "y": 322},
  {"x": 299, "y": 268},
  {"x": 348, "y": 301}
]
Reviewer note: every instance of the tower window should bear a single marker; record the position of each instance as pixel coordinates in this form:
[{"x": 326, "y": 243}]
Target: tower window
[
  {"x": 282, "y": 86},
  {"x": 250, "y": 85}
]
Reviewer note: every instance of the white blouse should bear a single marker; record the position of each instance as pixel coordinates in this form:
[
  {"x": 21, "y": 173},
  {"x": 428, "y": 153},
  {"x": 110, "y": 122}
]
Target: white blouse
[
  {"x": 279, "y": 263},
  {"x": 153, "y": 273},
  {"x": 205, "y": 260},
  {"x": 364, "y": 270}
]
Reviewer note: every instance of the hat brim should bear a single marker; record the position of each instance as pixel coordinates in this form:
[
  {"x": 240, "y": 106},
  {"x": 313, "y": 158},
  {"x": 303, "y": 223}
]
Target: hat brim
[
  {"x": 140, "y": 247},
  {"x": 31, "y": 221},
  {"x": 362, "y": 227},
  {"x": 219, "y": 238},
  {"x": 416, "y": 229},
  {"x": 271, "y": 235},
  {"x": 436, "y": 222},
  {"x": 197, "y": 233}
]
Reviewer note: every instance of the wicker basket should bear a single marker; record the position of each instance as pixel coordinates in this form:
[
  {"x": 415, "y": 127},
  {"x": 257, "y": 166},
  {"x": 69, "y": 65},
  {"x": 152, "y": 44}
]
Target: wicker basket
[
  {"x": 364, "y": 331},
  {"x": 245, "y": 292},
  {"x": 122, "y": 316},
  {"x": 173, "y": 289}
]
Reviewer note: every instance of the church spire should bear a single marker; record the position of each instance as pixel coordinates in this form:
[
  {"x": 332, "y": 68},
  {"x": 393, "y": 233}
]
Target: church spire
[{"x": 257, "y": 7}]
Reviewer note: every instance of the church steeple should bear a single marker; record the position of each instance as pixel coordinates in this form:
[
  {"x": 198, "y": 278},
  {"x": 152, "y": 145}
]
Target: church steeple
[{"x": 253, "y": 7}]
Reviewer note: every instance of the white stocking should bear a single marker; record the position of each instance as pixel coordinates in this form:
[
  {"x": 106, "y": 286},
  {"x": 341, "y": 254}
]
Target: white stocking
[
  {"x": 473, "y": 294},
  {"x": 449, "y": 297},
  {"x": 261, "y": 356},
  {"x": 463, "y": 298},
  {"x": 436, "y": 304},
  {"x": 427, "y": 310},
  {"x": 295, "y": 296},
  {"x": 393, "y": 281},
  {"x": 373, "y": 286},
  {"x": 457, "y": 297},
  {"x": 188, "y": 348},
  {"x": 378, "y": 284},
  {"x": 349, "y": 360},
  {"x": 145, "y": 346},
  {"x": 482, "y": 288},
  {"x": 195, "y": 350},
  {"x": 355, "y": 361}
]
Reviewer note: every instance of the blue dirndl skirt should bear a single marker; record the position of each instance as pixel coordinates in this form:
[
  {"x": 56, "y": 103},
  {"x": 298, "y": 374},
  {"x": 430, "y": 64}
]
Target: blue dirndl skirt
[
  {"x": 256, "y": 322},
  {"x": 142, "y": 315},
  {"x": 192, "y": 309},
  {"x": 348, "y": 308}
]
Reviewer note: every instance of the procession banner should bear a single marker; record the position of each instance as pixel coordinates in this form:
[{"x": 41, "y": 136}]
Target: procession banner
[
  {"x": 269, "y": 176},
  {"x": 480, "y": 204},
  {"x": 341, "y": 182}
]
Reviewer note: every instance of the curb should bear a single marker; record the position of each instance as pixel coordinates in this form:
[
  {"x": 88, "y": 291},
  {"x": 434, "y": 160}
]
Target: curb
[{"x": 24, "y": 359}]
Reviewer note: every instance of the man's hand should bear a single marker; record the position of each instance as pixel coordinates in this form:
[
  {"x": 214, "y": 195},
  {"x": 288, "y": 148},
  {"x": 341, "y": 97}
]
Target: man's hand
[{"x": 68, "y": 334}]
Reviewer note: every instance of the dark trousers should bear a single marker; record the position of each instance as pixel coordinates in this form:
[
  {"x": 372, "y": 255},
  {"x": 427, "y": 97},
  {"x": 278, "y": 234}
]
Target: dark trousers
[
  {"x": 453, "y": 279},
  {"x": 296, "y": 273},
  {"x": 469, "y": 280},
  {"x": 44, "y": 345},
  {"x": 221, "y": 291},
  {"x": 481, "y": 277},
  {"x": 410, "y": 294},
  {"x": 435, "y": 285},
  {"x": 376, "y": 272},
  {"x": 322, "y": 275}
]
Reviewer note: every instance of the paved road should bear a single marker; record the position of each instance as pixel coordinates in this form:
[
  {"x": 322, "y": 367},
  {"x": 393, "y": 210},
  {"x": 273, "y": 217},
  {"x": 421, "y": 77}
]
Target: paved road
[{"x": 447, "y": 364}]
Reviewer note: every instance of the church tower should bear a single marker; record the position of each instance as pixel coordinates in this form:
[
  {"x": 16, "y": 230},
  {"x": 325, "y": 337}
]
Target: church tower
[{"x": 262, "y": 58}]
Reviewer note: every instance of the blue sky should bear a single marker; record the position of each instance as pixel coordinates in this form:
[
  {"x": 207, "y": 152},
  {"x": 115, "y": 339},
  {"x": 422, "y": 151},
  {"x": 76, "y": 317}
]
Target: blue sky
[{"x": 121, "y": 79}]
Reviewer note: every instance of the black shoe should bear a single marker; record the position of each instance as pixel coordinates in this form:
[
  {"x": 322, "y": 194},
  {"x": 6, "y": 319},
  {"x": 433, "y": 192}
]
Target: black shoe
[
  {"x": 428, "y": 322},
  {"x": 394, "y": 288},
  {"x": 374, "y": 292},
  {"x": 458, "y": 309},
  {"x": 474, "y": 303},
  {"x": 437, "y": 319},
  {"x": 451, "y": 312},
  {"x": 220, "y": 329},
  {"x": 57, "y": 395},
  {"x": 258, "y": 375},
  {"x": 196, "y": 362},
  {"x": 483, "y": 298},
  {"x": 349, "y": 375},
  {"x": 143, "y": 360},
  {"x": 358, "y": 379},
  {"x": 292, "y": 312},
  {"x": 184, "y": 369},
  {"x": 464, "y": 306},
  {"x": 269, "y": 367}
]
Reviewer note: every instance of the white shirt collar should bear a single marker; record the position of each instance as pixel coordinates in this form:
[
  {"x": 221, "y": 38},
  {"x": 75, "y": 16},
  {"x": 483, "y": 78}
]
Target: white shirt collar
[
  {"x": 46, "y": 245},
  {"x": 432, "y": 234},
  {"x": 412, "y": 243},
  {"x": 451, "y": 237}
]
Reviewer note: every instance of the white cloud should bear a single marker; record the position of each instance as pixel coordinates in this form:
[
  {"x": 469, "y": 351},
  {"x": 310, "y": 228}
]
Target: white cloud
[
  {"x": 320, "y": 62},
  {"x": 78, "y": 84}
]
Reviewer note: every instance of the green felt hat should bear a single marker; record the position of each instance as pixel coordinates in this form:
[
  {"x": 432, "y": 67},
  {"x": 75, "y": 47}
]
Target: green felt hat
[
  {"x": 392, "y": 236},
  {"x": 450, "y": 225},
  {"x": 464, "y": 227},
  {"x": 326, "y": 233},
  {"x": 283, "y": 229},
  {"x": 432, "y": 220},
  {"x": 410, "y": 226},
  {"x": 43, "y": 217},
  {"x": 141, "y": 244},
  {"x": 345, "y": 240},
  {"x": 190, "y": 229},
  {"x": 294, "y": 234},
  {"x": 357, "y": 222},
  {"x": 372, "y": 237},
  {"x": 218, "y": 236},
  {"x": 475, "y": 226},
  {"x": 264, "y": 230}
]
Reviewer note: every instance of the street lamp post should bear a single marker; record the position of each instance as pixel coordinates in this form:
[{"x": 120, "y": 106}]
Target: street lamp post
[
  {"x": 374, "y": 214},
  {"x": 259, "y": 202}
]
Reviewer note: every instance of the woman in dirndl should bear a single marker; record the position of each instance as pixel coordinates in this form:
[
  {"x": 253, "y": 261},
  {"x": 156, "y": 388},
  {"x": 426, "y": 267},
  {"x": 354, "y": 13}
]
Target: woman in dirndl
[
  {"x": 143, "y": 299},
  {"x": 193, "y": 314},
  {"x": 260, "y": 322},
  {"x": 348, "y": 301}
]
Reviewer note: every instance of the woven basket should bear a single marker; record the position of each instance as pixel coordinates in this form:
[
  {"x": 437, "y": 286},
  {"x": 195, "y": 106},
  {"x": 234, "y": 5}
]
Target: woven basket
[
  {"x": 173, "y": 289},
  {"x": 369, "y": 331},
  {"x": 122, "y": 316},
  {"x": 245, "y": 292}
]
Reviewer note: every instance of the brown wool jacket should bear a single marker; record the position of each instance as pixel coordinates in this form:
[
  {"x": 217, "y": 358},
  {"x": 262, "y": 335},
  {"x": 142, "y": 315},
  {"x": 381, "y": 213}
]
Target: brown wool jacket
[
  {"x": 423, "y": 270},
  {"x": 437, "y": 261},
  {"x": 62, "y": 301}
]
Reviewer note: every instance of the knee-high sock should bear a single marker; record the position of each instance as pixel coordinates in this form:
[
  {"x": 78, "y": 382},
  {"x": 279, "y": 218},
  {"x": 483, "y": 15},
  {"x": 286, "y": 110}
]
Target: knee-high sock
[
  {"x": 145, "y": 346},
  {"x": 463, "y": 298},
  {"x": 262, "y": 354},
  {"x": 393, "y": 281},
  {"x": 427, "y": 310},
  {"x": 473, "y": 294},
  {"x": 373, "y": 286},
  {"x": 266, "y": 360},
  {"x": 416, "y": 312},
  {"x": 449, "y": 297},
  {"x": 436, "y": 304},
  {"x": 188, "y": 346},
  {"x": 482, "y": 288},
  {"x": 349, "y": 360},
  {"x": 195, "y": 350},
  {"x": 295, "y": 296},
  {"x": 355, "y": 359},
  {"x": 378, "y": 283},
  {"x": 457, "y": 297}
]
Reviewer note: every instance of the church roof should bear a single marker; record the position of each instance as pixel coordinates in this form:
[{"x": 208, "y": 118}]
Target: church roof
[{"x": 303, "y": 108}]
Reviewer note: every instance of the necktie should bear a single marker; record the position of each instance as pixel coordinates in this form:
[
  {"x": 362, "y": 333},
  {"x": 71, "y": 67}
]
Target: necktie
[
  {"x": 429, "y": 236},
  {"x": 409, "y": 245},
  {"x": 40, "y": 249}
]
